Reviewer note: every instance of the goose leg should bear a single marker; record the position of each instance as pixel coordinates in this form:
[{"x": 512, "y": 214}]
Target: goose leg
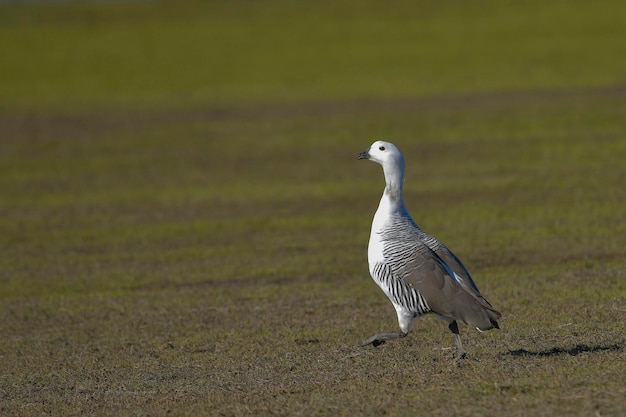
[
  {"x": 460, "y": 352},
  {"x": 380, "y": 338}
]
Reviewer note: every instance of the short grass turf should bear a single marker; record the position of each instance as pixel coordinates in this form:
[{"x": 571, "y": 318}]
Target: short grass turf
[{"x": 206, "y": 255}]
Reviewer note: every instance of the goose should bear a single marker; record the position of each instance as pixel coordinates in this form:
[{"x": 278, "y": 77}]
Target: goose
[{"x": 419, "y": 274}]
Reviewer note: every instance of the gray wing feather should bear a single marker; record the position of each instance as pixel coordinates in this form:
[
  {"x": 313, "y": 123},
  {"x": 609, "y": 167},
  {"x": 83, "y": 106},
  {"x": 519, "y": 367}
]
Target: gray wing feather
[
  {"x": 411, "y": 261},
  {"x": 464, "y": 277}
]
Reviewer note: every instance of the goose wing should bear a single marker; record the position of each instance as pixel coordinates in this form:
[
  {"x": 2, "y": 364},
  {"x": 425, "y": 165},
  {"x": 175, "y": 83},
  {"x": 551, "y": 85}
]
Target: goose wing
[
  {"x": 435, "y": 281},
  {"x": 462, "y": 275}
]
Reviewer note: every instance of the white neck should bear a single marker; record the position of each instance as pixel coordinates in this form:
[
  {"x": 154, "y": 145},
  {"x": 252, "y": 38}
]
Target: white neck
[
  {"x": 394, "y": 180},
  {"x": 391, "y": 204},
  {"x": 392, "y": 201}
]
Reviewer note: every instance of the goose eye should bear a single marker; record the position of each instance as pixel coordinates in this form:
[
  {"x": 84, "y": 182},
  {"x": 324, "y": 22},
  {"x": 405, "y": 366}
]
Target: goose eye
[{"x": 382, "y": 148}]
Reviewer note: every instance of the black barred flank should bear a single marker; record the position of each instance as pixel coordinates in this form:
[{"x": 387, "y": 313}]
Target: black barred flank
[{"x": 401, "y": 293}]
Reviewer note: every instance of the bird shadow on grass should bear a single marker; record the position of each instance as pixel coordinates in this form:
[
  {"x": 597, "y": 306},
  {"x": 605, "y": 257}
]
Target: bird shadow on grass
[{"x": 576, "y": 350}]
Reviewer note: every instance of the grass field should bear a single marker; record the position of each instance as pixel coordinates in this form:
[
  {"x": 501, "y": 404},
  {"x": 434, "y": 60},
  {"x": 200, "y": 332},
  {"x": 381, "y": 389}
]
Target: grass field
[{"x": 184, "y": 223}]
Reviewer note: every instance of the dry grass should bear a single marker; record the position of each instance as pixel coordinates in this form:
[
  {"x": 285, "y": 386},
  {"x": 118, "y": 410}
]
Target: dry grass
[{"x": 211, "y": 264}]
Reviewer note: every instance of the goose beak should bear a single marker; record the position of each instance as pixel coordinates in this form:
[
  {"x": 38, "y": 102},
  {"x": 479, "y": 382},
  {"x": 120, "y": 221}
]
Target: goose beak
[{"x": 363, "y": 155}]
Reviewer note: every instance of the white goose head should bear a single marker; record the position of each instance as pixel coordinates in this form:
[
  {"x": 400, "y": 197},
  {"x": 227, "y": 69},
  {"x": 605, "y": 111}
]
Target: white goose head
[{"x": 390, "y": 158}]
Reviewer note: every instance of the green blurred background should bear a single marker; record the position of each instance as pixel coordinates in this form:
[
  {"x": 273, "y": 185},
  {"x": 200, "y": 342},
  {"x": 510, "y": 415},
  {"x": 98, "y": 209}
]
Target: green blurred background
[{"x": 74, "y": 54}]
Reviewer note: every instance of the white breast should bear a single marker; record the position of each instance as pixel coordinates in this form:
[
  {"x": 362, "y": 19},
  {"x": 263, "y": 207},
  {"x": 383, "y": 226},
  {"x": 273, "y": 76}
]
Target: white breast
[{"x": 375, "y": 246}]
